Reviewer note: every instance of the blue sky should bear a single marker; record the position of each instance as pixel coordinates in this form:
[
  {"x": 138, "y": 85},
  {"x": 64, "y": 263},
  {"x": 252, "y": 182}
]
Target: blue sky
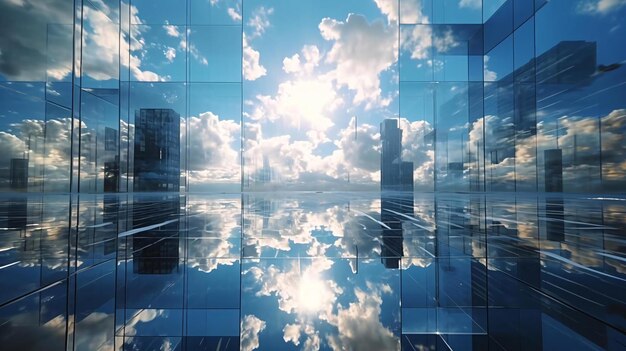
[{"x": 317, "y": 76}]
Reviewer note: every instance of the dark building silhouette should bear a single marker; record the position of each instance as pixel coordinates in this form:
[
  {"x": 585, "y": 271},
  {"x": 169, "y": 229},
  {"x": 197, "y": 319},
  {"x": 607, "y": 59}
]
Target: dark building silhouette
[
  {"x": 19, "y": 173},
  {"x": 14, "y": 213},
  {"x": 156, "y": 251},
  {"x": 111, "y": 175},
  {"x": 156, "y": 169},
  {"x": 553, "y": 175},
  {"x": 553, "y": 170},
  {"x": 397, "y": 192},
  {"x": 391, "y": 211},
  {"x": 395, "y": 174},
  {"x": 157, "y": 150}
]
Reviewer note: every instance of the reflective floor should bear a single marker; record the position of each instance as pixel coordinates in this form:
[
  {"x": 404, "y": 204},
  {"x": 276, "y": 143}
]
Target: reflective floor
[{"x": 309, "y": 271}]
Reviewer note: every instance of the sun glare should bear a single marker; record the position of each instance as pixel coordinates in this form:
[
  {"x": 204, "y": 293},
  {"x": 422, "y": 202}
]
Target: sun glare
[{"x": 311, "y": 293}]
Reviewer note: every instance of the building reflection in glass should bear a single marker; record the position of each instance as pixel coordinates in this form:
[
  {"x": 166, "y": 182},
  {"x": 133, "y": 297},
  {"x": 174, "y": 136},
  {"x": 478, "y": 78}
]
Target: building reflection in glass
[
  {"x": 396, "y": 192},
  {"x": 157, "y": 150},
  {"x": 156, "y": 169}
]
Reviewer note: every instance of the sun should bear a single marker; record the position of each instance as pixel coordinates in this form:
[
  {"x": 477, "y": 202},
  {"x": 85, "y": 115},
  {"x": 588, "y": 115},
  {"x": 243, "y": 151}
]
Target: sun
[{"x": 312, "y": 293}]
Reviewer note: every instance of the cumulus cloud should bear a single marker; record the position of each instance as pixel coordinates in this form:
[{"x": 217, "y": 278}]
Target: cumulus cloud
[
  {"x": 26, "y": 28},
  {"x": 310, "y": 60},
  {"x": 102, "y": 45},
  {"x": 356, "y": 157},
  {"x": 291, "y": 333},
  {"x": 410, "y": 10},
  {"x": 361, "y": 51},
  {"x": 359, "y": 146},
  {"x": 257, "y": 24},
  {"x": 251, "y": 327},
  {"x": 573, "y": 130},
  {"x": 301, "y": 103},
  {"x": 213, "y": 148},
  {"x": 420, "y": 40},
  {"x": 47, "y": 146},
  {"x": 416, "y": 150},
  {"x": 359, "y": 324},
  {"x": 292, "y": 286},
  {"x": 600, "y": 7},
  {"x": 252, "y": 68}
]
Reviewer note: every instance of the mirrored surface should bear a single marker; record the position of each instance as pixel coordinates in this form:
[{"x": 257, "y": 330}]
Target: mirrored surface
[
  {"x": 327, "y": 271},
  {"x": 312, "y": 174}
]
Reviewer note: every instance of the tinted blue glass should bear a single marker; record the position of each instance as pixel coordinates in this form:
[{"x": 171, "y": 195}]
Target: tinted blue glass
[
  {"x": 522, "y": 11},
  {"x": 524, "y": 49},
  {"x": 314, "y": 174},
  {"x": 215, "y": 54},
  {"x": 157, "y": 12},
  {"x": 499, "y": 25}
]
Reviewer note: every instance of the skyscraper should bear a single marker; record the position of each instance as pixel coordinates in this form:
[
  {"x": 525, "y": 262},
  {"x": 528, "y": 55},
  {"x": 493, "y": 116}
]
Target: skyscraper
[
  {"x": 19, "y": 173},
  {"x": 391, "y": 141},
  {"x": 395, "y": 174},
  {"x": 156, "y": 169},
  {"x": 157, "y": 150}
]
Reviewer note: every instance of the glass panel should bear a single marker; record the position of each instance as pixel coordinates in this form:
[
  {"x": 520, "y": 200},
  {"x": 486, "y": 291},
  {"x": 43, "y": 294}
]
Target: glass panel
[
  {"x": 215, "y": 54},
  {"x": 215, "y": 12},
  {"x": 157, "y": 113},
  {"x": 214, "y": 136},
  {"x": 100, "y": 60},
  {"x": 157, "y": 53},
  {"x": 157, "y": 12}
]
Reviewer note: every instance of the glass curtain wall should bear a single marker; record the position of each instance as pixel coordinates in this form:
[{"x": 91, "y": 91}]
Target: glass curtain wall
[{"x": 101, "y": 100}]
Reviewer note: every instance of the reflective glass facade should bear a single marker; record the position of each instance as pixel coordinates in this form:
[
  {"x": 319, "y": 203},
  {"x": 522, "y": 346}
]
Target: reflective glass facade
[{"x": 334, "y": 175}]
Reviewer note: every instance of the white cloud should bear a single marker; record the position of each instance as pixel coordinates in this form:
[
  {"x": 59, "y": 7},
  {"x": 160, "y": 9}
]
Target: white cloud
[
  {"x": 300, "y": 289},
  {"x": 420, "y": 40},
  {"x": 214, "y": 150},
  {"x": 388, "y": 8},
  {"x": 415, "y": 150},
  {"x": 102, "y": 43},
  {"x": 251, "y": 327},
  {"x": 601, "y": 7},
  {"x": 220, "y": 223},
  {"x": 359, "y": 325},
  {"x": 311, "y": 56},
  {"x": 252, "y": 69},
  {"x": 360, "y": 51},
  {"x": 259, "y": 21},
  {"x": 234, "y": 14},
  {"x": 172, "y": 31},
  {"x": 170, "y": 54},
  {"x": 302, "y": 103},
  {"x": 291, "y": 333},
  {"x": 473, "y": 4},
  {"x": 53, "y": 160},
  {"x": 360, "y": 152},
  {"x": 356, "y": 159},
  {"x": 410, "y": 10},
  {"x": 489, "y": 75},
  {"x": 291, "y": 64}
]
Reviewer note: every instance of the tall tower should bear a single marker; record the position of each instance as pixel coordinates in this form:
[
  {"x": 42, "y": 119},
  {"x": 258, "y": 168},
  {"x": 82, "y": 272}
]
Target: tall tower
[
  {"x": 390, "y": 162},
  {"x": 157, "y": 150}
]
